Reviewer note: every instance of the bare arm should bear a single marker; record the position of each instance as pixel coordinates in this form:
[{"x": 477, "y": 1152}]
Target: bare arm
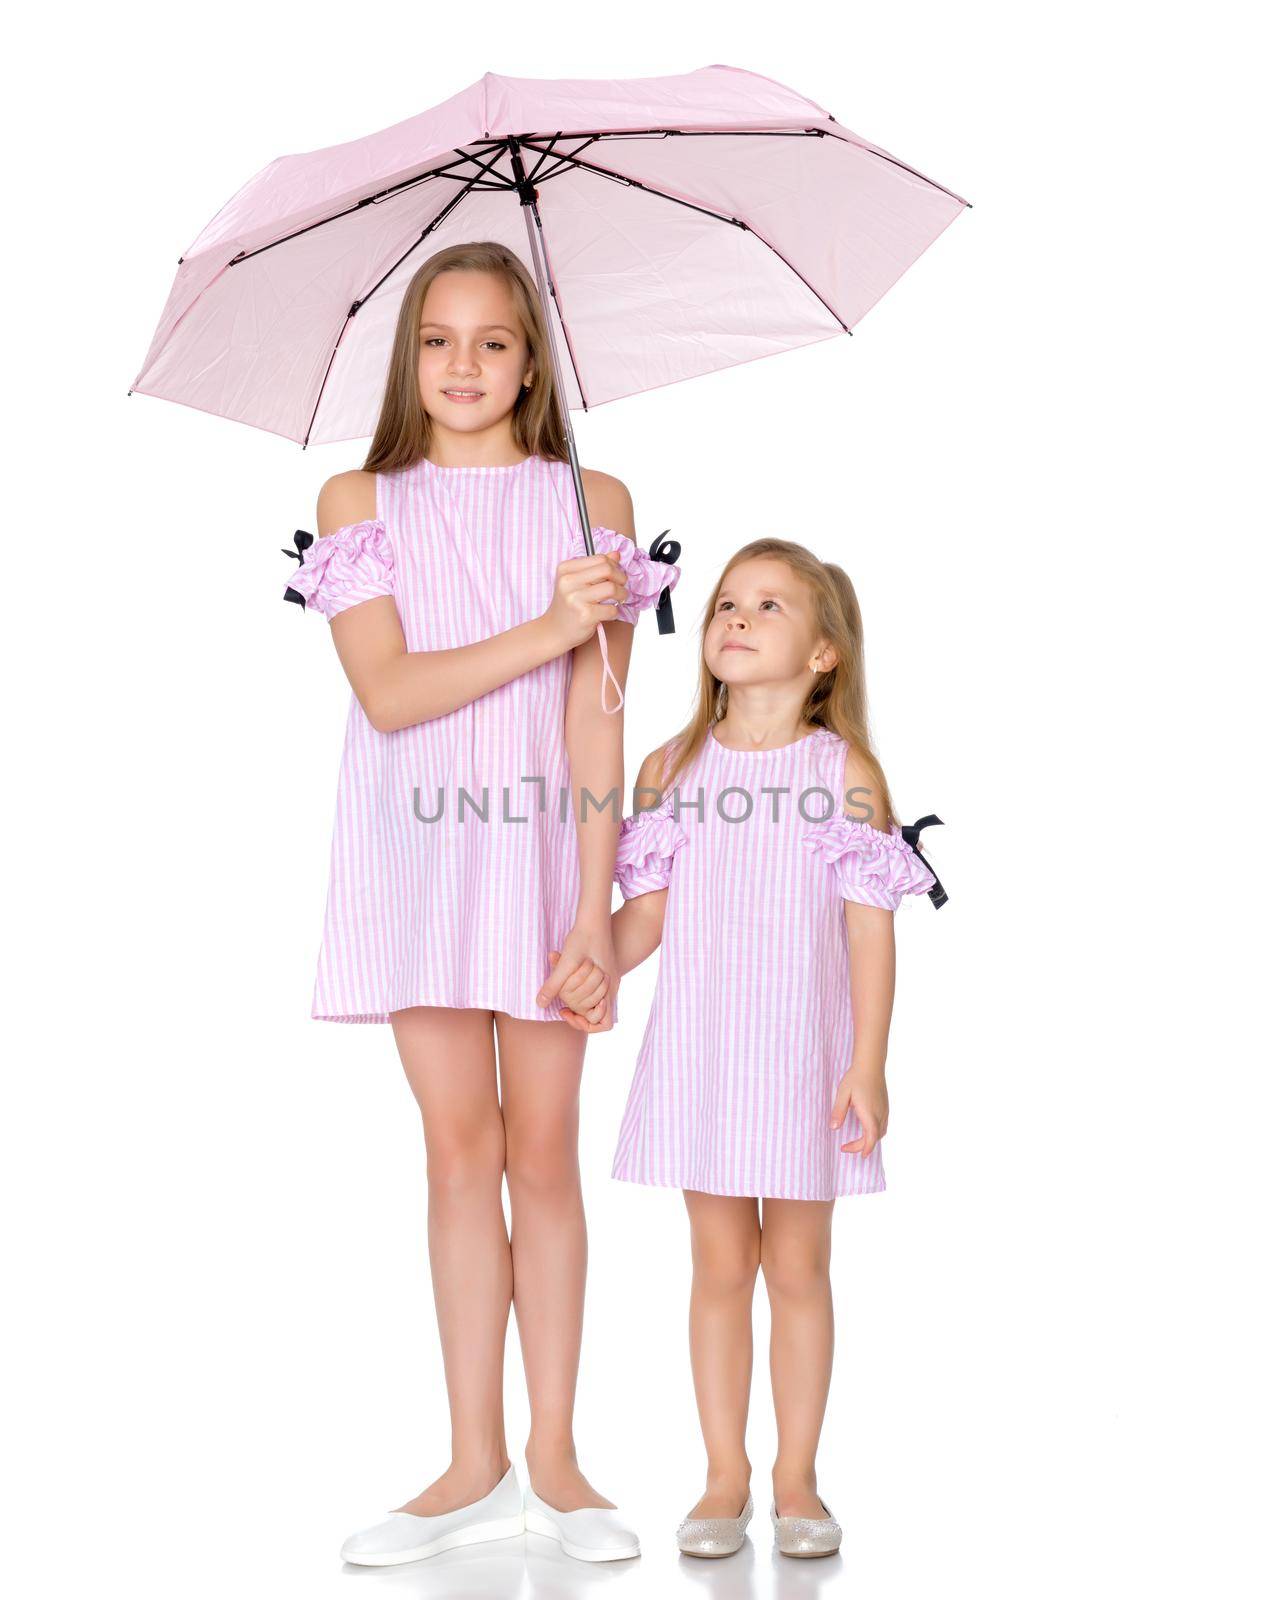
[
  {"x": 637, "y": 928},
  {"x": 593, "y": 741},
  {"x": 636, "y": 933},
  {"x": 398, "y": 687},
  {"x": 593, "y": 736},
  {"x": 872, "y": 975}
]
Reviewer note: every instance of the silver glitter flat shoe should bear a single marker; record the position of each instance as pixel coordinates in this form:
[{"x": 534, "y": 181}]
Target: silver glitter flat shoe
[
  {"x": 805, "y": 1536},
  {"x": 714, "y": 1536}
]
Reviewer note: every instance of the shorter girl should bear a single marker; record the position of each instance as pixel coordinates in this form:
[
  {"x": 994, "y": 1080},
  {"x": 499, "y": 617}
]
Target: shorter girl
[{"x": 782, "y": 862}]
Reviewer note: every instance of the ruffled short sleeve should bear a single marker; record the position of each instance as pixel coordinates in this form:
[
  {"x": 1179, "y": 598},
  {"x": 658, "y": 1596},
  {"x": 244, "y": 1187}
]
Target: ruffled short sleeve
[
  {"x": 646, "y": 578},
  {"x": 872, "y": 867},
  {"x": 647, "y": 846},
  {"x": 347, "y": 566}
]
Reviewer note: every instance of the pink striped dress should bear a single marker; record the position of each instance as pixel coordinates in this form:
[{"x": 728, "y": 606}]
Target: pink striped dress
[
  {"x": 454, "y": 862},
  {"x": 751, "y": 1028}
]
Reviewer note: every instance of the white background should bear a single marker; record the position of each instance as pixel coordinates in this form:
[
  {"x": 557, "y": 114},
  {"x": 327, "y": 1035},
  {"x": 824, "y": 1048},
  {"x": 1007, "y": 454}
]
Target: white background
[{"x": 1040, "y": 458}]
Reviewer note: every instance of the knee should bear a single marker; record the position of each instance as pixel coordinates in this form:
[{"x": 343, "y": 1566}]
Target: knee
[
  {"x": 464, "y": 1162},
  {"x": 726, "y": 1270},
  {"x": 541, "y": 1164},
  {"x": 796, "y": 1271}
]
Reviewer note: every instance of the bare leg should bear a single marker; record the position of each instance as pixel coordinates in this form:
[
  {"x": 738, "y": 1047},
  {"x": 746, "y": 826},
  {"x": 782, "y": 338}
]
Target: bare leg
[
  {"x": 448, "y": 1058},
  {"x": 540, "y": 1065},
  {"x": 725, "y": 1233},
  {"x": 795, "y": 1252}
]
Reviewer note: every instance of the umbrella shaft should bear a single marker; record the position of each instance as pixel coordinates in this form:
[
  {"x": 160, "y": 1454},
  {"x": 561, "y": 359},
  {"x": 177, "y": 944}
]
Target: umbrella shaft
[{"x": 542, "y": 271}]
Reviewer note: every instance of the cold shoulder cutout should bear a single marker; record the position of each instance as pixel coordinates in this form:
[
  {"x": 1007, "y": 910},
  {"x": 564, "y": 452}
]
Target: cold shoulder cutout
[
  {"x": 871, "y": 866},
  {"x": 648, "y": 573},
  {"x": 349, "y": 565},
  {"x": 647, "y": 846}
]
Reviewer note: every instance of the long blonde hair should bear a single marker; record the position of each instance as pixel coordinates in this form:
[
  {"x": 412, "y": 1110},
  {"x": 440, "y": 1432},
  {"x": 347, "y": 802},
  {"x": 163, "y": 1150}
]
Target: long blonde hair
[
  {"x": 837, "y": 699},
  {"x": 402, "y": 436}
]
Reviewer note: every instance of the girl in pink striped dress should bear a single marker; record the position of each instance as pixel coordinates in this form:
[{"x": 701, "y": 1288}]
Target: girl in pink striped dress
[
  {"x": 465, "y": 614},
  {"x": 769, "y": 871}
]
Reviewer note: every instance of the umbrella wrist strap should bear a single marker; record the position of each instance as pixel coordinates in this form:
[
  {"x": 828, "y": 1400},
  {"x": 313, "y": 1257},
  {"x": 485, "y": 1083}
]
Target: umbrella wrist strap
[{"x": 606, "y": 675}]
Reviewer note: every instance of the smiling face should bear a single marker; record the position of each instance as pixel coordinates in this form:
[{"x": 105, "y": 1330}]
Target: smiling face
[
  {"x": 763, "y": 629},
  {"x": 472, "y": 353}
]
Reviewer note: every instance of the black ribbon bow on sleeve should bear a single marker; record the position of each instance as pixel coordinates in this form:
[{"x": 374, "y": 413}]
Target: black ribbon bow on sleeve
[
  {"x": 304, "y": 541},
  {"x": 668, "y": 551},
  {"x": 937, "y": 895}
]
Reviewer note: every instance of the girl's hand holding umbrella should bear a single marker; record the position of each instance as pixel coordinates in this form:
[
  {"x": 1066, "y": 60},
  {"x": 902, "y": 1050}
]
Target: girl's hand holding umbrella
[{"x": 586, "y": 588}]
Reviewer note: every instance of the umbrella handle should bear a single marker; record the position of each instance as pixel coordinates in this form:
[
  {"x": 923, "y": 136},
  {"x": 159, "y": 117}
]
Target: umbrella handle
[{"x": 607, "y": 674}]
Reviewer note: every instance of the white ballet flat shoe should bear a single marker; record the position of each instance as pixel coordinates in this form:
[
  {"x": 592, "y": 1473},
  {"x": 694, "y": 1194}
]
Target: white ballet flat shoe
[
  {"x": 593, "y": 1533},
  {"x": 715, "y": 1536},
  {"x": 805, "y": 1536},
  {"x": 405, "y": 1537}
]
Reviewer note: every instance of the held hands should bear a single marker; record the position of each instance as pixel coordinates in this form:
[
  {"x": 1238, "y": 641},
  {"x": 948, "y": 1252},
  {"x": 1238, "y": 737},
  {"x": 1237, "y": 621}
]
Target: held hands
[
  {"x": 585, "y": 978},
  {"x": 584, "y": 587},
  {"x": 863, "y": 1090},
  {"x": 586, "y": 993}
]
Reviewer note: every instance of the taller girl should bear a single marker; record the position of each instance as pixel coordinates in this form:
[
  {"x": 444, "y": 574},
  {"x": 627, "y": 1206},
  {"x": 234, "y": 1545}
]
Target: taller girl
[{"x": 465, "y": 618}]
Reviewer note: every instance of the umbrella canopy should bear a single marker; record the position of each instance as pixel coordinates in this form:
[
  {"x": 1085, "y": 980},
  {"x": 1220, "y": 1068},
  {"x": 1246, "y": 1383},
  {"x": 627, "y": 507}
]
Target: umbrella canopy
[{"x": 685, "y": 224}]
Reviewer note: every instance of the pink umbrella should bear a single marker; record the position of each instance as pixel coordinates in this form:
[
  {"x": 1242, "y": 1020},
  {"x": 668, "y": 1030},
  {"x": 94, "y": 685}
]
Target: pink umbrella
[{"x": 674, "y": 226}]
